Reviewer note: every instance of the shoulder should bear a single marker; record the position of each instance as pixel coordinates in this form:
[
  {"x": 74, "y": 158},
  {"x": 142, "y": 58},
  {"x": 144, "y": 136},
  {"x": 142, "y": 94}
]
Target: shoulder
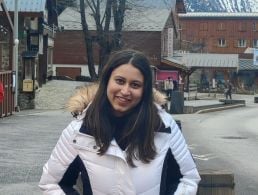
[
  {"x": 72, "y": 129},
  {"x": 166, "y": 118},
  {"x": 81, "y": 99}
]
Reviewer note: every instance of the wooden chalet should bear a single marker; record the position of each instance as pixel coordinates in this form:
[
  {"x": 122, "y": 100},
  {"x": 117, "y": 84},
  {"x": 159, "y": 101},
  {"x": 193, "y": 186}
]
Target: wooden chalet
[
  {"x": 150, "y": 30},
  {"x": 36, "y": 33}
]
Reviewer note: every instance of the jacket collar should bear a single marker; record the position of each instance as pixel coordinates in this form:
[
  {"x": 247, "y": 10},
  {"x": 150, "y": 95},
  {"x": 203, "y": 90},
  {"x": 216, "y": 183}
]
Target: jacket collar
[{"x": 87, "y": 142}]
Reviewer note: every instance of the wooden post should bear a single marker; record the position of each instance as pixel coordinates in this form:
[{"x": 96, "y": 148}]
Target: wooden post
[{"x": 256, "y": 99}]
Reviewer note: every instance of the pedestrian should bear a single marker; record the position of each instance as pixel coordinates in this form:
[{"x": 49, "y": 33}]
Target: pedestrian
[
  {"x": 123, "y": 142},
  {"x": 1, "y": 92},
  {"x": 228, "y": 90},
  {"x": 169, "y": 86}
]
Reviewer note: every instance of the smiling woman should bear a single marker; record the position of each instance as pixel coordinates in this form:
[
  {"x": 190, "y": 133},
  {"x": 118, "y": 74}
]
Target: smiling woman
[
  {"x": 125, "y": 89},
  {"x": 132, "y": 140}
]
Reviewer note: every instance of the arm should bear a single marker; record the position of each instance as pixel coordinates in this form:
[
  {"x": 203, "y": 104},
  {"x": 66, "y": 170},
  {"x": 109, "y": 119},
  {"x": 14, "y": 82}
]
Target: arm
[
  {"x": 60, "y": 166},
  {"x": 190, "y": 177}
]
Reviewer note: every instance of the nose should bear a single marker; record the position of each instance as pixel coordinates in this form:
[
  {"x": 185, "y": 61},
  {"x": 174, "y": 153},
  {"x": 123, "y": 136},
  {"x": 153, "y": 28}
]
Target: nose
[{"x": 125, "y": 90}]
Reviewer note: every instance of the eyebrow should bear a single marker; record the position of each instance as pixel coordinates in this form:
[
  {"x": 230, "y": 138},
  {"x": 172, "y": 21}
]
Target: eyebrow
[{"x": 118, "y": 76}]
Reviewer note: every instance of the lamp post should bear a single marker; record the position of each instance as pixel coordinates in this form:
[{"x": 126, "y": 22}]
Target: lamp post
[{"x": 16, "y": 55}]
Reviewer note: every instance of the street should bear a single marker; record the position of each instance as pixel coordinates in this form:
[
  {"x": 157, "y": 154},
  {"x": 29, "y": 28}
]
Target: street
[
  {"x": 226, "y": 140},
  {"x": 223, "y": 140},
  {"x": 26, "y": 141}
]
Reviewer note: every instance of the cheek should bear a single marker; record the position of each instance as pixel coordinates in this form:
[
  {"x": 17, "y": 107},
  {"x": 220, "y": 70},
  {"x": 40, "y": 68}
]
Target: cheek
[{"x": 109, "y": 92}]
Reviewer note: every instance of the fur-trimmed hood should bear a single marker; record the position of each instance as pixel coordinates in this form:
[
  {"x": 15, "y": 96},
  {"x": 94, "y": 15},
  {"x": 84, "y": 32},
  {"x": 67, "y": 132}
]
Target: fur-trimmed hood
[{"x": 84, "y": 95}]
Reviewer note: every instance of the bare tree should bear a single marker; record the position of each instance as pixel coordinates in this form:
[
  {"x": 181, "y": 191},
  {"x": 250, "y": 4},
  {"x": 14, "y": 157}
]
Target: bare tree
[
  {"x": 88, "y": 42},
  {"x": 108, "y": 40}
]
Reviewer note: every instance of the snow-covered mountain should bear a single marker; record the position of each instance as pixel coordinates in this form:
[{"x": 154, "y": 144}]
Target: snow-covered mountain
[
  {"x": 205, "y": 5},
  {"x": 208, "y": 5},
  {"x": 221, "y": 5}
]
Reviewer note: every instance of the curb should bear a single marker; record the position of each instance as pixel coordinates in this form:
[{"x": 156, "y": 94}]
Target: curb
[{"x": 219, "y": 108}]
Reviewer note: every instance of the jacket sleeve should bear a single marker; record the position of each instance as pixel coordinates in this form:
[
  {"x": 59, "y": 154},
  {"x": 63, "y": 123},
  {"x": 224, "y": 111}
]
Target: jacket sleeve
[
  {"x": 60, "y": 162},
  {"x": 188, "y": 184}
]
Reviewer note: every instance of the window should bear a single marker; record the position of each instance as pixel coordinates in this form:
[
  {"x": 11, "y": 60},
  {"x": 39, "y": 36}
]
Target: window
[
  {"x": 180, "y": 27},
  {"x": 241, "y": 43},
  {"x": 203, "y": 26},
  {"x": 221, "y": 26},
  {"x": 222, "y": 42},
  {"x": 255, "y": 43},
  {"x": 255, "y": 26}
]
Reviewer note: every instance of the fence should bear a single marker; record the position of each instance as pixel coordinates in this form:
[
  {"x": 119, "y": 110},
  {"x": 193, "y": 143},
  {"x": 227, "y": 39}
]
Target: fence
[{"x": 7, "y": 106}]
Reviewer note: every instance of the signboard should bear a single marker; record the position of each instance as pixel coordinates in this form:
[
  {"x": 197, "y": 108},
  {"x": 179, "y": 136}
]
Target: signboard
[
  {"x": 170, "y": 42},
  {"x": 255, "y": 56},
  {"x": 27, "y": 85},
  {"x": 162, "y": 75}
]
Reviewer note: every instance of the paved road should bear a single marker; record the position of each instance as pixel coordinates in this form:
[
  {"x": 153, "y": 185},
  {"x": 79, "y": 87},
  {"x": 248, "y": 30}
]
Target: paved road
[
  {"x": 226, "y": 141},
  {"x": 26, "y": 140}
]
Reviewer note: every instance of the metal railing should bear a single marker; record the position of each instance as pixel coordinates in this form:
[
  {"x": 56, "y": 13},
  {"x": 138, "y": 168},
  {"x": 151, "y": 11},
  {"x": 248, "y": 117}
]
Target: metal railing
[{"x": 7, "y": 106}]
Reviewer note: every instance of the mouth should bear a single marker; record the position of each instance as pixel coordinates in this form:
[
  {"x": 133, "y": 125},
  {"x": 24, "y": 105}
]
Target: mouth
[{"x": 123, "y": 99}]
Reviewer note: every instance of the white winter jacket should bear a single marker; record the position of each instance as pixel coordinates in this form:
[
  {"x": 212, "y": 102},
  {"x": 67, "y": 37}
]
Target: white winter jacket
[{"x": 173, "y": 170}]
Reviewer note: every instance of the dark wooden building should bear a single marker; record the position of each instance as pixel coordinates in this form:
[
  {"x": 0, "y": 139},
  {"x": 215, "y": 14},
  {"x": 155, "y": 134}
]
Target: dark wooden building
[
  {"x": 6, "y": 54},
  {"x": 37, "y": 26},
  {"x": 150, "y": 30}
]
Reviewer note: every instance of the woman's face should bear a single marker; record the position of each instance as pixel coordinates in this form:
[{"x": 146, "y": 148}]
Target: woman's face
[{"x": 125, "y": 89}]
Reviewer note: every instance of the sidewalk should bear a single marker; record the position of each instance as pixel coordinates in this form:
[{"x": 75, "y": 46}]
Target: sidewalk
[
  {"x": 55, "y": 93},
  {"x": 207, "y": 103}
]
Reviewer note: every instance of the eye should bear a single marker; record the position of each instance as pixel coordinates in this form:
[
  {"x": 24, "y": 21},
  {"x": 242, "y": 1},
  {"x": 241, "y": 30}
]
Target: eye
[
  {"x": 119, "y": 81},
  {"x": 136, "y": 85}
]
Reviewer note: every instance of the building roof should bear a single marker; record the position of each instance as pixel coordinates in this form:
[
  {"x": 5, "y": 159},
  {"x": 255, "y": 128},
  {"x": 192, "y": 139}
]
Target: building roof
[
  {"x": 200, "y": 60},
  {"x": 26, "y": 5},
  {"x": 171, "y": 62},
  {"x": 228, "y": 15},
  {"x": 153, "y": 19},
  {"x": 247, "y": 64}
]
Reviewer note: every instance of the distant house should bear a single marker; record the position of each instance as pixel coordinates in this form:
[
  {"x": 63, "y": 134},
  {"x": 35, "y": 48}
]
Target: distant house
[
  {"x": 211, "y": 32},
  {"x": 36, "y": 32},
  {"x": 247, "y": 75},
  {"x": 204, "y": 67},
  {"x": 150, "y": 30},
  {"x": 6, "y": 33},
  {"x": 222, "y": 33}
]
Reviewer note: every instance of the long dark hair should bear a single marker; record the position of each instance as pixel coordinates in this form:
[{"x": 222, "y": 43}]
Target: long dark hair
[{"x": 143, "y": 121}]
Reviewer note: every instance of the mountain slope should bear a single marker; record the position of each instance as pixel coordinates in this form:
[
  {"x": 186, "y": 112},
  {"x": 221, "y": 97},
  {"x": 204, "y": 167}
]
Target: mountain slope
[{"x": 203, "y": 5}]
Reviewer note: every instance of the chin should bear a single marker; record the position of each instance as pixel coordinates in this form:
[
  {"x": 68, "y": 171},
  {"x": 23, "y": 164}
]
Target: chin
[{"x": 119, "y": 112}]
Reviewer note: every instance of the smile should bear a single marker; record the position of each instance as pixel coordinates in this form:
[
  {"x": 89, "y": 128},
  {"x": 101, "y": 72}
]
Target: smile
[{"x": 123, "y": 99}]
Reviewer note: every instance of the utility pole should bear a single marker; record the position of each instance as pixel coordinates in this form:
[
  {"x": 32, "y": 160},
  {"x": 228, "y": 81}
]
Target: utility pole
[{"x": 16, "y": 56}]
